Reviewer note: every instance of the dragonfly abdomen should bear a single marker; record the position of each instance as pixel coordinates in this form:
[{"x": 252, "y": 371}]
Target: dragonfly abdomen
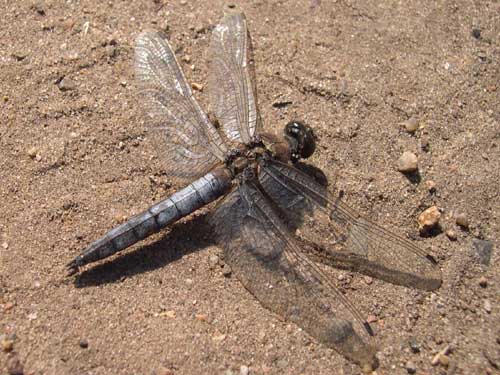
[{"x": 194, "y": 196}]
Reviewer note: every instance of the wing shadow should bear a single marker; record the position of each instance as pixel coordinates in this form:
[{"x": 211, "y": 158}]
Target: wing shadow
[{"x": 183, "y": 239}]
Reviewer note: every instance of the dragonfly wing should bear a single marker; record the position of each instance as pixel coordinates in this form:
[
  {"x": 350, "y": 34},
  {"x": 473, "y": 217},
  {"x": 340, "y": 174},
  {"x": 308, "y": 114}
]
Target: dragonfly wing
[
  {"x": 349, "y": 240},
  {"x": 233, "y": 97},
  {"x": 270, "y": 264},
  {"x": 188, "y": 143}
]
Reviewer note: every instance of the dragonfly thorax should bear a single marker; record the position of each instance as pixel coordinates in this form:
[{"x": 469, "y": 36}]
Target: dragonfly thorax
[{"x": 244, "y": 159}]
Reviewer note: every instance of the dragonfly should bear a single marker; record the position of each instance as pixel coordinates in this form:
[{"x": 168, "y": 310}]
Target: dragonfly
[{"x": 279, "y": 227}]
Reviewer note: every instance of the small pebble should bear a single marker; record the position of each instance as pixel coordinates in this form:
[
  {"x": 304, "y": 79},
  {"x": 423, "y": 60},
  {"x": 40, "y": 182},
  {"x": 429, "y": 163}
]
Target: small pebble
[
  {"x": 213, "y": 261},
  {"x": 14, "y": 366},
  {"x": 32, "y": 315},
  {"x": 415, "y": 348},
  {"x": 5, "y": 245},
  {"x": 85, "y": 27},
  {"x": 39, "y": 8},
  {"x": 121, "y": 145},
  {"x": 66, "y": 84},
  {"x": 442, "y": 357},
  {"x": 435, "y": 360},
  {"x": 451, "y": 234},
  {"x": 186, "y": 58},
  {"x": 431, "y": 186},
  {"x": 226, "y": 270},
  {"x": 424, "y": 143},
  {"x": 244, "y": 370},
  {"x": 219, "y": 337},
  {"x": 444, "y": 360},
  {"x": 476, "y": 33},
  {"x": 368, "y": 280},
  {"x": 110, "y": 50},
  {"x": 462, "y": 220},
  {"x": 32, "y": 152},
  {"x": 487, "y": 305},
  {"x": 201, "y": 317},
  {"x": 20, "y": 55},
  {"x": 410, "y": 367},
  {"x": 428, "y": 219},
  {"x": 120, "y": 218},
  {"x": 411, "y": 125},
  {"x": 169, "y": 314},
  {"x": 371, "y": 319},
  {"x": 67, "y": 205},
  {"x": 408, "y": 162},
  {"x": 84, "y": 344},
  {"x": 8, "y": 306},
  {"x": 483, "y": 282},
  {"x": 197, "y": 86},
  {"x": 7, "y": 345}
]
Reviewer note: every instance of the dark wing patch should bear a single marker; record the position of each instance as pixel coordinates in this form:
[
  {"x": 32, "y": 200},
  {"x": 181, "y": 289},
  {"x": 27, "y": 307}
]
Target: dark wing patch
[
  {"x": 268, "y": 261},
  {"x": 354, "y": 242}
]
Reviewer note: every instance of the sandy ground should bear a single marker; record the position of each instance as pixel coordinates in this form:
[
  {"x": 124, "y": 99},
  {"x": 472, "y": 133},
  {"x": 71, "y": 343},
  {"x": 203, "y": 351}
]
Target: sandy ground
[{"x": 75, "y": 159}]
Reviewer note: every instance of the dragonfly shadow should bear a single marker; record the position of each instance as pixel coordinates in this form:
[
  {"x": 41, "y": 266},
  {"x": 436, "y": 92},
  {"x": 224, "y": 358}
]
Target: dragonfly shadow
[
  {"x": 183, "y": 239},
  {"x": 313, "y": 171}
]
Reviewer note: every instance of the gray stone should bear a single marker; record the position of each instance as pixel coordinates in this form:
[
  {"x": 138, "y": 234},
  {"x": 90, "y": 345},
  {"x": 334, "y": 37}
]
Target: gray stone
[
  {"x": 66, "y": 84},
  {"x": 483, "y": 250}
]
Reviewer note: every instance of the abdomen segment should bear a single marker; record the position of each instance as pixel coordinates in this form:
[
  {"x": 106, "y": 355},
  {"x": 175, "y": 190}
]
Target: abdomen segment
[{"x": 196, "y": 195}]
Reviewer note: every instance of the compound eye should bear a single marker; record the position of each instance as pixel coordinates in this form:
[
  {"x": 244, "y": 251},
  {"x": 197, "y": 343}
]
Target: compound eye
[
  {"x": 301, "y": 138},
  {"x": 308, "y": 144},
  {"x": 293, "y": 129}
]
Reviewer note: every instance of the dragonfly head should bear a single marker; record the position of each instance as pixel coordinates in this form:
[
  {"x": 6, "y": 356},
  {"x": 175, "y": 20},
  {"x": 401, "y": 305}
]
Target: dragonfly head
[{"x": 301, "y": 139}]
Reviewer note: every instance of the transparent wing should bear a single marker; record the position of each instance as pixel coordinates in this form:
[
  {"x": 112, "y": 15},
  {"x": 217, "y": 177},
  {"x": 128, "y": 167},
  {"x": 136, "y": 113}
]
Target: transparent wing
[
  {"x": 268, "y": 261},
  {"x": 233, "y": 97},
  {"x": 188, "y": 143},
  {"x": 345, "y": 239}
]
